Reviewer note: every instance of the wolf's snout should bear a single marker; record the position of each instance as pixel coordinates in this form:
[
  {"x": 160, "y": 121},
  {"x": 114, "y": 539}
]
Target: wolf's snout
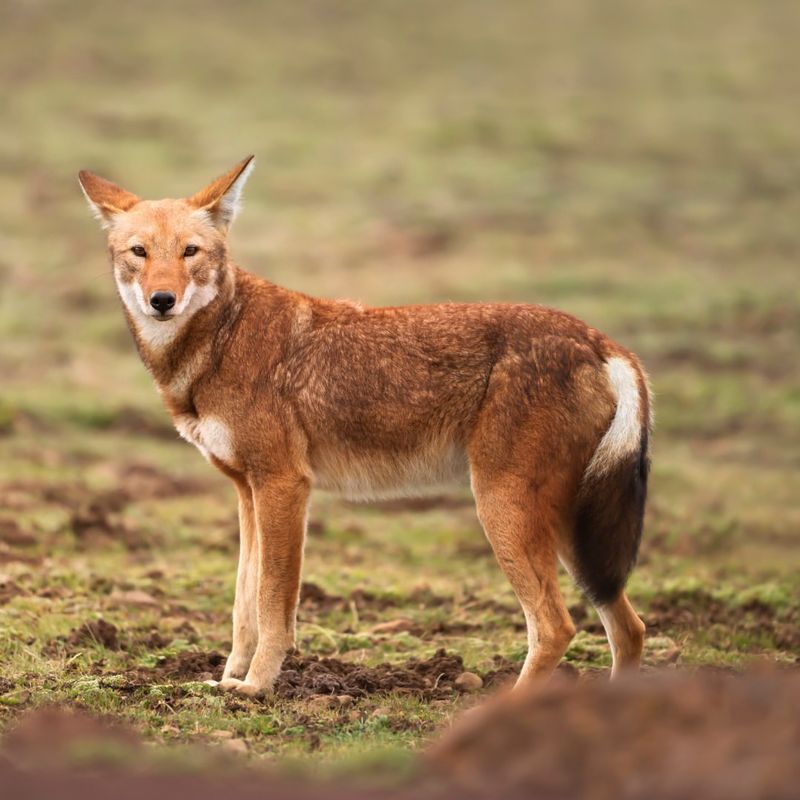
[{"x": 162, "y": 301}]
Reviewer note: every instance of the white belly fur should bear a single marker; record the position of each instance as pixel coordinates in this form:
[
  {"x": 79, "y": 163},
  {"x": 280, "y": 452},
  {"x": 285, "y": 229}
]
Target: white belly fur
[
  {"x": 373, "y": 476},
  {"x": 356, "y": 475}
]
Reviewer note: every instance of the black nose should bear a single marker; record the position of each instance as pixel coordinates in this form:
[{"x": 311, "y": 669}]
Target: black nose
[{"x": 162, "y": 301}]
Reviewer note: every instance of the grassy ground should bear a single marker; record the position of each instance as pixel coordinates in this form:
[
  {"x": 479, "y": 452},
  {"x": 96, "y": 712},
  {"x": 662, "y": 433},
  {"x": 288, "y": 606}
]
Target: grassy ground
[{"x": 633, "y": 163}]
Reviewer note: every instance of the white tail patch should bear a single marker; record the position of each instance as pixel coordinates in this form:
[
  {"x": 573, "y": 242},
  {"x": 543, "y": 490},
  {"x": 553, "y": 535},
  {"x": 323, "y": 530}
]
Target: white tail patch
[{"x": 623, "y": 437}]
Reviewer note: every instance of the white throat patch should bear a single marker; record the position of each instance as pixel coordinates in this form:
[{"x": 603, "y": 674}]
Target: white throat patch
[{"x": 158, "y": 334}]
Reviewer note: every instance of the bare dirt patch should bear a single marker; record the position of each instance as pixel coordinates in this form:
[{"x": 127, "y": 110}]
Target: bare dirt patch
[
  {"x": 439, "y": 502},
  {"x": 9, "y": 589},
  {"x": 308, "y": 676},
  {"x": 95, "y": 632},
  {"x": 12, "y": 534},
  {"x": 98, "y": 523},
  {"x": 136, "y": 482},
  {"x": 305, "y": 676},
  {"x": 690, "y": 611},
  {"x": 190, "y": 665},
  {"x": 315, "y": 599},
  {"x": 49, "y": 736},
  {"x": 142, "y": 481}
]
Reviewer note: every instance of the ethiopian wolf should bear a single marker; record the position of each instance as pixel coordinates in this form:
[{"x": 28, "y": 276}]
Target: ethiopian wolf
[{"x": 547, "y": 418}]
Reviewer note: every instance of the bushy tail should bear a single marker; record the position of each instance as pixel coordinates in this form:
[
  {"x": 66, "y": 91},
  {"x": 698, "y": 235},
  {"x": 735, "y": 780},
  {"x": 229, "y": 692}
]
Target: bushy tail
[{"x": 611, "y": 499}]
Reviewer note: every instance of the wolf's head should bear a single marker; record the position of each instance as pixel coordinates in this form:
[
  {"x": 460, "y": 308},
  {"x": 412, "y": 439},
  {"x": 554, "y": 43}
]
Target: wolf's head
[{"x": 168, "y": 256}]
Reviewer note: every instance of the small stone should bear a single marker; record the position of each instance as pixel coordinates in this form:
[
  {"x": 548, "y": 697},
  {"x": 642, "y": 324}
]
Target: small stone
[
  {"x": 15, "y": 698},
  {"x": 134, "y": 597},
  {"x": 235, "y": 746},
  {"x": 393, "y": 626},
  {"x": 345, "y": 700},
  {"x": 468, "y": 682},
  {"x": 661, "y": 650},
  {"x": 320, "y": 702}
]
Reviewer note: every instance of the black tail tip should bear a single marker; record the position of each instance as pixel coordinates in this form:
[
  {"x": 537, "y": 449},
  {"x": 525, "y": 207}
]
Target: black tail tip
[{"x": 608, "y": 526}]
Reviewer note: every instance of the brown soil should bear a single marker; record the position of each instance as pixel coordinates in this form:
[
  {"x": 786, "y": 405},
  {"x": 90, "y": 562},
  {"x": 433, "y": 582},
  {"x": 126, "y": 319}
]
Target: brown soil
[
  {"x": 690, "y": 611},
  {"x": 135, "y": 482},
  {"x": 96, "y": 517},
  {"x": 666, "y": 736},
  {"x": 11, "y": 534},
  {"x": 430, "y": 503},
  {"x": 145, "y": 482},
  {"x": 304, "y": 676},
  {"x": 98, "y": 523},
  {"x": 9, "y": 589},
  {"x": 134, "y": 422},
  {"x": 95, "y": 632},
  {"x": 661, "y": 737},
  {"x": 14, "y": 556},
  {"x": 442, "y": 628},
  {"x": 315, "y": 599},
  {"x": 307, "y": 676},
  {"x": 46, "y": 737},
  {"x": 185, "y": 666},
  {"x": 104, "y": 633}
]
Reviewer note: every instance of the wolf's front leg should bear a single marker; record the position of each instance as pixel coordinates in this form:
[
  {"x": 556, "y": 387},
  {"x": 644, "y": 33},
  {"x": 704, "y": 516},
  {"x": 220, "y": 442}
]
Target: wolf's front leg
[
  {"x": 280, "y": 503},
  {"x": 245, "y": 623}
]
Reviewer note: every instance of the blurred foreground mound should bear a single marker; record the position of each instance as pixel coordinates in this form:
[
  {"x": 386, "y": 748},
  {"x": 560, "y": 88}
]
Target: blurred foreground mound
[
  {"x": 658, "y": 736},
  {"x": 661, "y": 737}
]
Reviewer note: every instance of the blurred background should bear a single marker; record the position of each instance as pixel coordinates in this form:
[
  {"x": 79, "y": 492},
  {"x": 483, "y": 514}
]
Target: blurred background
[{"x": 633, "y": 162}]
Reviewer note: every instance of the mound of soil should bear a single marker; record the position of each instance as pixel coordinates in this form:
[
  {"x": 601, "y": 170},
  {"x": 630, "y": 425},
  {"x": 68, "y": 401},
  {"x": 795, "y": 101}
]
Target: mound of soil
[
  {"x": 9, "y": 589},
  {"x": 425, "y": 503},
  {"x": 47, "y": 736},
  {"x": 95, "y": 632},
  {"x": 304, "y": 676},
  {"x": 97, "y": 523},
  {"x": 188, "y": 665},
  {"x": 11, "y": 534},
  {"x": 315, "y": 599},
  {"x": 146, "y": 482},
  {"x": 663, "y": 736}
]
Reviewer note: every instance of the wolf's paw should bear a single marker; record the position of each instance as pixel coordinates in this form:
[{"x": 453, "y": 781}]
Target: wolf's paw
[
  {"x": 244, "y": 688},
  {"x": 236, "y": 668}
]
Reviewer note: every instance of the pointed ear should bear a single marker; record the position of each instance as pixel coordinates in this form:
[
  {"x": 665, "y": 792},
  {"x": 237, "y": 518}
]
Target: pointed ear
[
  {"x": 106, "y": 199},
  {"x": 221, "y": 199}
]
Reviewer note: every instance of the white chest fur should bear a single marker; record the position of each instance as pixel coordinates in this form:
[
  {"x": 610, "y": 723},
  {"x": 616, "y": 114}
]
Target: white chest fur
[{"x": 209, "y": 434}]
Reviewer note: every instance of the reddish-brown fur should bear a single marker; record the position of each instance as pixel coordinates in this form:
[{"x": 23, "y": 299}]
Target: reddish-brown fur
[{"x": 284, "y": 392}]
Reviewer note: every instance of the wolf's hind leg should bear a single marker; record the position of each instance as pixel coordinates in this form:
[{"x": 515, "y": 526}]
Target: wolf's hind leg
[
  {"x": 625, "y": 632},
  {"x": 524, "y": 542}
]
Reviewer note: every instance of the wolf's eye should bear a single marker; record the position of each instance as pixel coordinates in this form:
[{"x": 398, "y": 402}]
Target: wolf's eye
[
  {"x": 191, "y": 249},
  {"x": 138, "y": 250}
]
